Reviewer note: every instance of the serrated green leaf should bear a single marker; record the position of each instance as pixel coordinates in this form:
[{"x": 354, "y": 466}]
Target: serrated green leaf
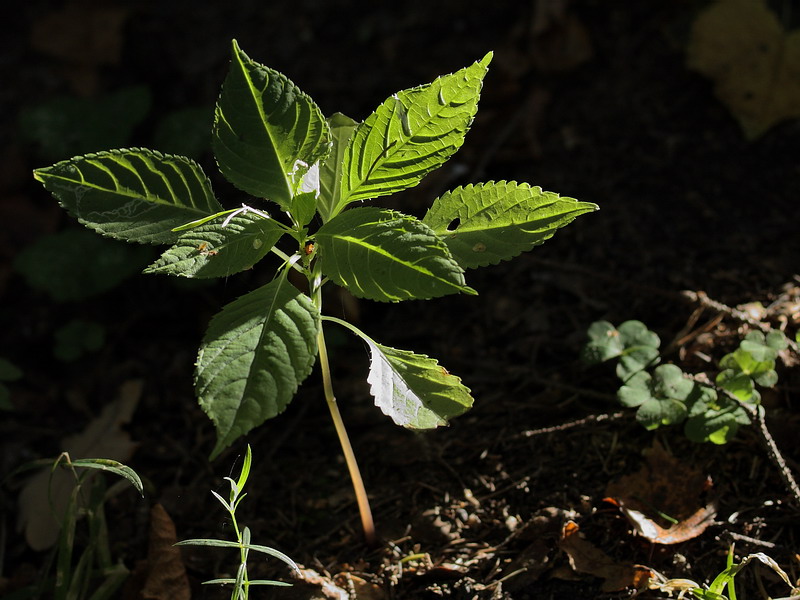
[
  {"x": 136, "y": 194},
  {"x": 220, "y": 247},
  {"x": 413, "y": 390},
  {"x": 254, "y": 356},
  {"x": 387, "y": 256},
  {"x": 487, "y": 223},
  {"x": 412, "y": 133},
  {"x": 264, "y": 124},
  {"x": 330, "y": 174}
]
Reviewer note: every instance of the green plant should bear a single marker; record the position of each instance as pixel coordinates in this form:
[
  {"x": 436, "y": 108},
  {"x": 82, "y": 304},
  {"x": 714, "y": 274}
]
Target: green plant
[
  {"x": 724, "y": 580},
  {"x": 241, "y": 583},
  {"x": 667, "y": 396},
  {"x": 94, "y": 575},
  {"x": 272, "y": 142}
]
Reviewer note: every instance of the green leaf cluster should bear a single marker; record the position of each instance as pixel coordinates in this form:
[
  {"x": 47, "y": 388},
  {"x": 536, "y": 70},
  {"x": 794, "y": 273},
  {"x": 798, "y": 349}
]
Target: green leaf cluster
[
  {"x": 666, "y": 396},
  {"x": 632, "y": 343},
  {"x": 310, "y": 175}
]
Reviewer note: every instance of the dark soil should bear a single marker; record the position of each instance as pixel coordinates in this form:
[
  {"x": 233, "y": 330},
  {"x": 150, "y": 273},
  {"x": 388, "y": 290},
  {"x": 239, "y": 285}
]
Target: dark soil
[{"x": 598, "y": 105}]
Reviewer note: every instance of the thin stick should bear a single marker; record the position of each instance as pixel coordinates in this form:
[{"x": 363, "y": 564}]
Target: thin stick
[{"x": 756, "y": 415}]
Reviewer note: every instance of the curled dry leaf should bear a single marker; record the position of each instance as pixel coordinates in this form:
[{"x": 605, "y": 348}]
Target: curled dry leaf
[
  {"x": 585, "y": 557},
  {"x": 166, "y": 575},
  {"x": 753, "y": 61},
  {"x": 661, "y": 499}
]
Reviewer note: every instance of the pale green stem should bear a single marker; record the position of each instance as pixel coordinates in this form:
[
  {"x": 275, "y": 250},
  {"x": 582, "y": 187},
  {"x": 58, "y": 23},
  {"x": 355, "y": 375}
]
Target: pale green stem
[{"x": 367, "y": 522}]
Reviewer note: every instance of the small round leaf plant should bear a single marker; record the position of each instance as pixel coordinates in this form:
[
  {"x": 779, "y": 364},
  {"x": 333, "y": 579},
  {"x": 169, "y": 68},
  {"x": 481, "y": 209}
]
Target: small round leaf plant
[{"x": 313, "y": 177}]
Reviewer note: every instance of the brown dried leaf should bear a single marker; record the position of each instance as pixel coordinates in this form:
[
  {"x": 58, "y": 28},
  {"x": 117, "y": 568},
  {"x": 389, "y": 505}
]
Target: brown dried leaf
[
  {"x": 102, "y": 438},
  {"x": 664, "y": 486},
  {"x": 754, "y": 63},
  {"x": 585, "y": 557},
  {"x": 166, "y": 575}
]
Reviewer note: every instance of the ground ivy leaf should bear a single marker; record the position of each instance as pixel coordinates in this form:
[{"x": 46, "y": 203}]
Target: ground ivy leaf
[
  {"x": 387, "y": 256},
  {"x": 412, "y": 133},
  {"x": 413, "y": 390},
  {"x": 135, "y": 194},
  {"x": 490, "y": 222},
  {"x": 255, "y": 354},
  {"x": 263, "y": 125},
  {"x": 221, "y": 247}
]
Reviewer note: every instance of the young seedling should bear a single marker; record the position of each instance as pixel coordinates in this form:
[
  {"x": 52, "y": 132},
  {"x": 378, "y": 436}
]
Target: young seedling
[
  {"x": 242, "y": 582},
  {"x": 85, "y": 571},
  {"x": 725, "y": 579},
  {"x": 272, "y": 142}
]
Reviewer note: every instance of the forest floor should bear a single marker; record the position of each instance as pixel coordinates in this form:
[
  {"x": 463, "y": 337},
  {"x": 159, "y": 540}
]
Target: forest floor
[{"x": 589, "y": 99}]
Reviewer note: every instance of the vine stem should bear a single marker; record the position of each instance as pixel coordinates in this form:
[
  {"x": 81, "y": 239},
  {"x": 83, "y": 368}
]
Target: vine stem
[{"x": 367, "y": 523}]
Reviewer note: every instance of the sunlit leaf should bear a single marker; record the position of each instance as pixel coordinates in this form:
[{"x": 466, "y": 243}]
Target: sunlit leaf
[
  {"x": 412, "y": 133},
  {"x": 490, "y": 222},
  {"x": 385, "y": 255},
  {"x": 264, "y": 124}
]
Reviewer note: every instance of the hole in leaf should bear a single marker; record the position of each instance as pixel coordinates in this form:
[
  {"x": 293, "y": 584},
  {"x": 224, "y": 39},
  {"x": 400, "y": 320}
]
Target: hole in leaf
[{"x": 454, "y": 224}]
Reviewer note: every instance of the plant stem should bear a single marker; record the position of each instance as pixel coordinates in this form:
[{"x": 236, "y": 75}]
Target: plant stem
[{"x": 349, "y": 456}]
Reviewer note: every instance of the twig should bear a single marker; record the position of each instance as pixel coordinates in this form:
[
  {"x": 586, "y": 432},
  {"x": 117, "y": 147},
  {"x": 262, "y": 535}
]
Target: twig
[
  {"x": 756, "y": 415},
  {"x": 577, "y": 423},
  {"x": 703, "y": 300}
]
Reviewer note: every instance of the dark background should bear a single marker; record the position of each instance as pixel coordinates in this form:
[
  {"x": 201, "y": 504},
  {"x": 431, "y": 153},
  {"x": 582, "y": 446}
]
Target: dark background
[{"x": 586, "y": 98}]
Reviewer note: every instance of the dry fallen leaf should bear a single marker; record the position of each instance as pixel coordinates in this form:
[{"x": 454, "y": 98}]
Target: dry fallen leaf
[
  {"x": 102, "y": 438},
  {"x": 585, "y": 557},
  {"x": 664, "y": 486},
  {"x": 166, "y": 575},
  {"x": 753, "y": 61}
]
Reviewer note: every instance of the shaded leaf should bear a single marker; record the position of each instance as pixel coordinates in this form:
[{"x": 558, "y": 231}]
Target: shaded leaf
[
  {"x": 264, "y": 124},
  {"x": 254, "y": 356},
  {"x": 220, "y": 247},
  {"x": 137, "y": 195},
  {"x": 69, "y": 125},
  {"x": 487, "y": 223},
  {"x": 385, "y": 255},
  {"x": 166, "y": 577},
  {"x": 76, "y": 264}
]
